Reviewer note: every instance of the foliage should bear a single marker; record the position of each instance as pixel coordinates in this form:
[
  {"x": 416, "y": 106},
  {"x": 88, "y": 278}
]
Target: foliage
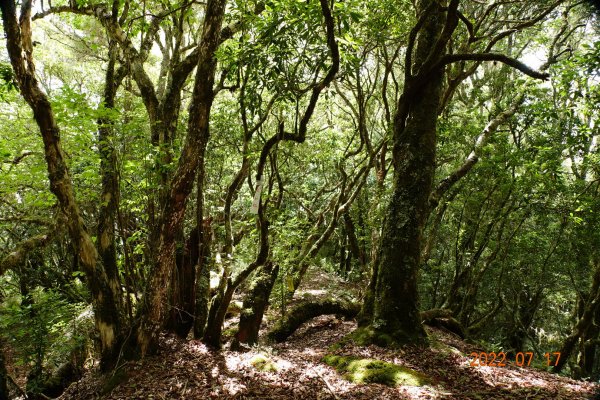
[
  {"x": 511, "y": 247},
  {"x": 43, "y": 328}
]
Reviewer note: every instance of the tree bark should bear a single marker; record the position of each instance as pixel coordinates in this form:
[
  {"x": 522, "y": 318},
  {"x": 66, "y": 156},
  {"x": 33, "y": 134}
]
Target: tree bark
[
  {"x": 154, "y": 310},
  {"x": 20, "y": 50},
  {"x": 181, "y": 318},
  {"x": 109, "y": 198},
  {"x": 588, "y": 348},
  {"x": 353, "y": 243},
  {"x": 395, "y": 314},
  {"x": 255, "y": 303},
  {"x": 203, "y": 281},
  {"x": 586, "y": 319}
]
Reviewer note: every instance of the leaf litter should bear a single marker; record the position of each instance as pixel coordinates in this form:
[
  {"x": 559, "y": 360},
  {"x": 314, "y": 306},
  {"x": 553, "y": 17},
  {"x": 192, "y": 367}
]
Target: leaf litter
[{"x": 190, "y": 370}]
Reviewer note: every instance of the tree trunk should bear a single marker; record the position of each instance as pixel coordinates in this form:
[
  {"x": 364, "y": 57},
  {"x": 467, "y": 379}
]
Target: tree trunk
[
  {"x": 584, "y": 322},
  {"x": 181, "y": 318},
  {"x": 255, "y": 303},
  {"x": 205, "y": 234},
  {"x": 520, "y": 332},
  {"x": 109, "y": 199},
  {"x": 20, "y": 50},
  {"x": 395, "y": 315},
  {"x": 202, "y": 299},
  {"x": 203, "y": 282},
  {"x": 216, "y": 314},
  {"x": 353, "y": 243},
  {"x": 308, "y": 310},
  {"x": 343, "y": 259},
  {"x": 153, "y": 310},
  {"x": 589, "y": 346}
]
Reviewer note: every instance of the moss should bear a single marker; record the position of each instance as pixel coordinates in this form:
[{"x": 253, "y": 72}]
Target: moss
[
  {"x": 235, "y": 308},
  {"x": 363, "y": 336},
  {"x": 263, "y": 363},
  {"x": 228, "y": 333},
  {"x": 368, "y": 370},
  {"x": 367, "y": 335}
]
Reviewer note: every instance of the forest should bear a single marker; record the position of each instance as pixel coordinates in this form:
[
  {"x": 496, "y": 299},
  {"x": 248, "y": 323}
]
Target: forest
[{"x": 299, "y": 199}]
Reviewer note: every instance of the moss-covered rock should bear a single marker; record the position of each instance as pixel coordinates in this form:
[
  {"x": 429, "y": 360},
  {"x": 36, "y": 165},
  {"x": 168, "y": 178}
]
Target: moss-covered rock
[
  {"x": 368, "y": 370},
  {"x": 263, "y": 363}
]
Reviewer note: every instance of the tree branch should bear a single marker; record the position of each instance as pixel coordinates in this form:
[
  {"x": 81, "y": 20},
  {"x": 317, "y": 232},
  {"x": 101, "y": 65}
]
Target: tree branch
[
  {"x": 19, "y": 255},
  {"x": 445, "y": 184},
  {"x": 512, "y": 62}
]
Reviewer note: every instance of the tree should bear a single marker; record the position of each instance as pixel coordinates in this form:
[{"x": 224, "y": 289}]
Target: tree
[
  {"x": 394, "y": 315},
  {"x": 20, "y": 49}
]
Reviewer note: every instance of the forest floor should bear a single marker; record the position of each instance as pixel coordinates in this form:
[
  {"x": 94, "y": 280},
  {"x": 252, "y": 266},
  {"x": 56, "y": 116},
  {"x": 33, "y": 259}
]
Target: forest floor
[{"x": 296, "y": 370}]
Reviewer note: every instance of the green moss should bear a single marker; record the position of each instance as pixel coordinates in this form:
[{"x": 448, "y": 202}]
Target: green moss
[
  {"x": 235, "y": 308},
  {"x": 227, "y": 333},
  {"x": 368, "y": 370},
  {"x": 263, "y": 363},
  {"x": 364, "y": 336},
  {"x": 367, "y": 335}
]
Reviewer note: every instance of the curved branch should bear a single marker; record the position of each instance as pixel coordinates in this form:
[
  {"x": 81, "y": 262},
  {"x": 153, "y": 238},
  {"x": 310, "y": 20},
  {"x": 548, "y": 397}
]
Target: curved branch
[
  {"x": 473, "y": 157},
  {"x": 512, "y": 62},
  {"x": 19, "y": 254},
  {"x": 468, "y": 25},
  {"x": 335, "y": 66},
  {"x": 300, "y": 136}
]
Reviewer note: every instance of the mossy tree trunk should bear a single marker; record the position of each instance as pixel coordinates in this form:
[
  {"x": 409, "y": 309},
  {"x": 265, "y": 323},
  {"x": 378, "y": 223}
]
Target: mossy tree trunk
[
  {"x": 528, "y": 304},
  {"x": 355, "y": 248},
  {"x": 204, "y": 264},
  {"x": 396, "y": 311},
  {"x": 202, "y": 291},
  {"x": 20, "y": 49},
  {"x": 394, "y": 277},
  {"x": 588, "y": 348},
  {"x": 308, "y": 310},
  {"x": 109, "y": 175},
  {"x": 586, "y": 319},
  {"x": 255, "y": 304},
  {"x": 181, "y": 316},
  {"x": 154, "y": 310}
]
